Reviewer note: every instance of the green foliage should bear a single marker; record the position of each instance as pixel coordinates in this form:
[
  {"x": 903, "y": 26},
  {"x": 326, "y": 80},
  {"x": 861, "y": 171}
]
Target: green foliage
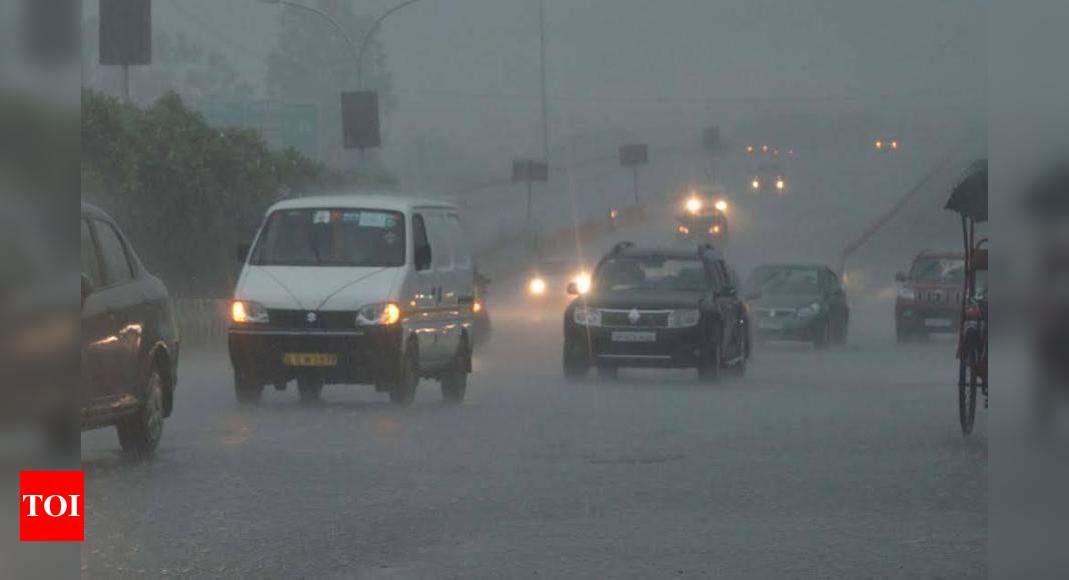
[{"x": 187, "y": 192}]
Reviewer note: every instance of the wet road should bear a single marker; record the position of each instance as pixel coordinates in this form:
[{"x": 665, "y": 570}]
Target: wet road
[{"x": 844, "y": 463}]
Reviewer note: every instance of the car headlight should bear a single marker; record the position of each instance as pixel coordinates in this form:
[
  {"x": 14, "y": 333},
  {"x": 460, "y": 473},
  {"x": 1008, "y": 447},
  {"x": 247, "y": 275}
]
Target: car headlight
[
  {"x": 586, "y": 316},
  {"x": 536, "y": 286},
  {"x": 248, "y": 312},
  {"x": 683, "y": 318},
  {"x": 582, "y": 282},
  {"x": 756, "y": 184},
  {"x": 809, "y": 311},
  {"x": 780, "y": 184},
  {"x": 906, "y": 294},
  {"x": 379, "y": 314}
]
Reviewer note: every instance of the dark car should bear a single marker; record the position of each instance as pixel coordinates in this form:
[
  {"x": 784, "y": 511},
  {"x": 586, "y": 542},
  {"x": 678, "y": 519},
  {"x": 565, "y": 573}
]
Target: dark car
[
  {"x": 653, "y": 307},
  {"x": 804, "y": 302},
  {"x": 129, "y": 338},
  {"x": 929, "y": 296}
]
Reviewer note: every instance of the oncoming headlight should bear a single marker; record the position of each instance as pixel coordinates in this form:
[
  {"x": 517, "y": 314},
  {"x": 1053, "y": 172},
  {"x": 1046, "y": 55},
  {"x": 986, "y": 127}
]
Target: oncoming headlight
[
  {"x": 683, "y": 318},
  {"x": 537, "y": 286},
  {"x": 755, "y": 184},
  {"x": 582, "y": 282},
  {"x": 248, "y": 312},
  {"x": 383, "y": 313},
  {"x": 586, "y": 316}
]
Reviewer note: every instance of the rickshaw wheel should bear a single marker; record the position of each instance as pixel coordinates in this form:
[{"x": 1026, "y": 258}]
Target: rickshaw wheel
[{"x": 967, "y": 398}]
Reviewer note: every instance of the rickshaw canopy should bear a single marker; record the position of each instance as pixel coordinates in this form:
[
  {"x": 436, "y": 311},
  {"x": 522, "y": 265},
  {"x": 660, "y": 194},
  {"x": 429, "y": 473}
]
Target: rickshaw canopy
[{"x": 969, "y": 196}]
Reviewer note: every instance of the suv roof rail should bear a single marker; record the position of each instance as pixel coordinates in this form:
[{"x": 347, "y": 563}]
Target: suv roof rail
[{"x": 621, "y": 246}]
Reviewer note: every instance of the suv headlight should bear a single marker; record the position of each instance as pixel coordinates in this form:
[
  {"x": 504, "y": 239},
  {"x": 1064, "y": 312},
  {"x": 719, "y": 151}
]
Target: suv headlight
[
  {"x": 808, "y": 311},
  {"x": 906, "y": 294},
  {"x": 586, "y": 316},
  {"x": 382, "y": 313},
  {"x": 683, "y": 318},
  {"x": 248, "y": 312}
]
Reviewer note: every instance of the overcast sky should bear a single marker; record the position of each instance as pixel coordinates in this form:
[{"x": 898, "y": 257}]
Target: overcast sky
[{"x": 468, "y": 69}]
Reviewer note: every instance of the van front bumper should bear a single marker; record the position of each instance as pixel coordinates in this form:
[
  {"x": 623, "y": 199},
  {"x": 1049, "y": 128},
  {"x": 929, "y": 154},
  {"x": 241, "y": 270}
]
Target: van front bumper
[{"x": 363, "y": 356}]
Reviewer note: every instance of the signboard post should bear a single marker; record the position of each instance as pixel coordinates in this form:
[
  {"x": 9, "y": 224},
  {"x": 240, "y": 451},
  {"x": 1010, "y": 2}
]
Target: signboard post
[
  {"x": 632, "y": 156},
  {"x": 529, "y": 171}
]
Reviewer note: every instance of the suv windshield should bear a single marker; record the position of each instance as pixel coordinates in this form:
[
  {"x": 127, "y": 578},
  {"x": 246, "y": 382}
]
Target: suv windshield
[
  {"x": 652, "y": 273},
  {"x": 785, "y": 280},
  {"x": 938, "y": 270},
  {"x": 332, "y": 237}
]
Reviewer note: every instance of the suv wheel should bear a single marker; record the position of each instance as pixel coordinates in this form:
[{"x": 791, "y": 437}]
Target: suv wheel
[
  {"x": 575, "y": 365},
  {"x": 822, "y": 335},
  {"x": 140, "y": 433},
  {"x": 404, "y": 388},
  {"x": 455, "y": 379},
  {"x": 246, "y": 393},
  {"x": 608, "y": 372},
  {"x": 709, "y": 365},
  {"x": 310, "y": 388}
]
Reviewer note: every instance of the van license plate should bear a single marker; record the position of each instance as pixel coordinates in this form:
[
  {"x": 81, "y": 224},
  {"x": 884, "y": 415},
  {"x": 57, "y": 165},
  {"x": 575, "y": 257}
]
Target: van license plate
[
  {"x": 300, "y": 359},
  {"x": 937, "y": 322},
  {"x": 620, "y": 336}
]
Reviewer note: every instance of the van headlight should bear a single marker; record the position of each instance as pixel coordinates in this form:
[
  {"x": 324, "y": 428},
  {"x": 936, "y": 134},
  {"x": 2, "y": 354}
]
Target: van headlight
[
  {"x": 809, "y": 311},
  {"x": 248, "y": 312},
  {"x": 907, "y": 294},
  {"x": 586, "y": 316},
  {"x": 683, "y": 318},
  {"x": 379, "y": 314}
]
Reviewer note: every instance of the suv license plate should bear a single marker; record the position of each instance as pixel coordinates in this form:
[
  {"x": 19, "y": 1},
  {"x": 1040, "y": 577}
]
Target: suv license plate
[
  {"x": 620, "y": 336},
  {"x": 937, "y": 322},
  {"x": 300, "y": 359}
]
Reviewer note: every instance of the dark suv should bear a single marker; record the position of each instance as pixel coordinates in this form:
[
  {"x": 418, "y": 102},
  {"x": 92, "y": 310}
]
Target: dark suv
[
  {"x": 652, "y": 307},
  {"x": 929, "y": 296},
  {"x": 129, "y": 339}
]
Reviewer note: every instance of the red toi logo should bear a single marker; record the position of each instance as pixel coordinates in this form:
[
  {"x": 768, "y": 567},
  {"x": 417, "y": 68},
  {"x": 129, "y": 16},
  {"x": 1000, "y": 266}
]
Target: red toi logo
[{"x": 51, "y": 507}]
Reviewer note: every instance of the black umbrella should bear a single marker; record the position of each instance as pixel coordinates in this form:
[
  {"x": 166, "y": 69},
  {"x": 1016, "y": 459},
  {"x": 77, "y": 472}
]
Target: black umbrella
[{"x": 969, "y": 197}]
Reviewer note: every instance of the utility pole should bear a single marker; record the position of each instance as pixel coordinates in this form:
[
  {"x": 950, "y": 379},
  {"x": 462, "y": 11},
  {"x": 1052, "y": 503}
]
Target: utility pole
[
  {"x": 126, "y": 83},
  {"x": 542, "y": 63}
]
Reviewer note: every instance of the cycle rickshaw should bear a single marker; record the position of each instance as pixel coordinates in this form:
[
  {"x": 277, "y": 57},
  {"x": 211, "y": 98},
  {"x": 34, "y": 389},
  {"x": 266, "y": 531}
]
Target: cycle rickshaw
[{"x": 969, "y": 199}]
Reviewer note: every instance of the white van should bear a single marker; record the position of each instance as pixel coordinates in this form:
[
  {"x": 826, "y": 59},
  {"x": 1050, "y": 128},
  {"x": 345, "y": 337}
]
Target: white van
[{"x": 354, "y": 289}]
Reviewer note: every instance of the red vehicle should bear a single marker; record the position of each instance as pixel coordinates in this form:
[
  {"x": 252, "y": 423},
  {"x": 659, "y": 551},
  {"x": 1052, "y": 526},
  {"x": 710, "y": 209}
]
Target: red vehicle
[{"x": 929, "y": 295}]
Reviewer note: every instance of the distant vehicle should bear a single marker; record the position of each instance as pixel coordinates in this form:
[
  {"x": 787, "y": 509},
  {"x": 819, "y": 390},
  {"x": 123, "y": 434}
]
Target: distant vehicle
[
  {"x": 803, "y": 302},
  {"x": 354, "y": 289},
  {"x": 129, "y": 338},
  {"x": 886, "y": 144},
  {"x": 929, "y": 296},
  {"x": 702, "y": 219},
  {"x": 547, "y": 281},
  {"x": 768, "y": 178},
  {"x": 653, "y": 307}
]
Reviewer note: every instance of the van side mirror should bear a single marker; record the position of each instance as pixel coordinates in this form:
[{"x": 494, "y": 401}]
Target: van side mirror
[
  {"x": 572, "y": 289},
  {"x": 87, "y": 288},
  {"x": 423, "y": 257},
  {"x": 243, "y": 251},
  {"x": 900, "y": 277}
]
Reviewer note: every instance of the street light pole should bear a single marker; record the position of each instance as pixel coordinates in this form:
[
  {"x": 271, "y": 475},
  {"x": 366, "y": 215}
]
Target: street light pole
[
  {"x": 367, "y": 40},
  {"x": 542, "y": 65},
  {"x": 328, "y": 18}
]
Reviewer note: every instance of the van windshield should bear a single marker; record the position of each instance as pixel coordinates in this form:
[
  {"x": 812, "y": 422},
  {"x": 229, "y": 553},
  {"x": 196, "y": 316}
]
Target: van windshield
[{"x": 332, "y": 237}]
